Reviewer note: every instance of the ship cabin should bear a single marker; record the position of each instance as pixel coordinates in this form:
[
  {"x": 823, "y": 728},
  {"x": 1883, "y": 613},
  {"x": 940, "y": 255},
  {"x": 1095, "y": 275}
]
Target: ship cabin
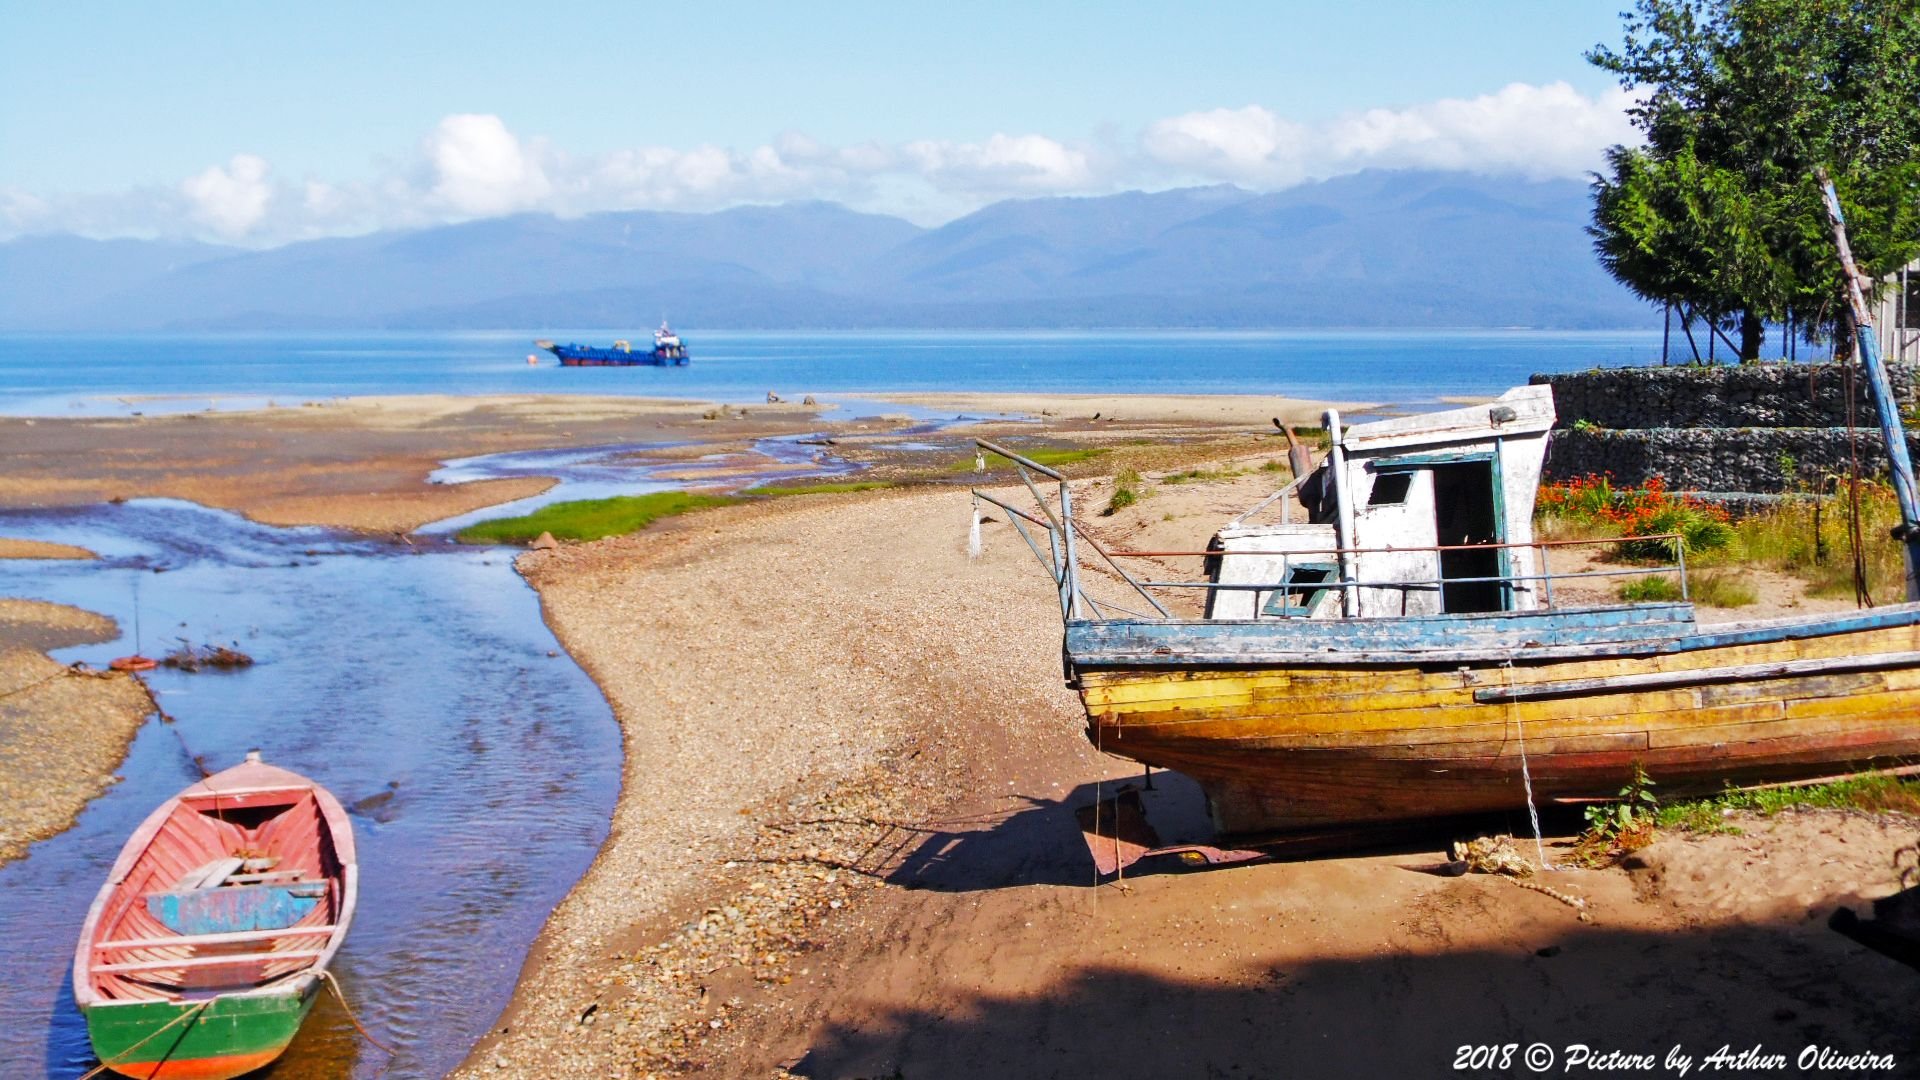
[{"x": 1416, "y": 515}]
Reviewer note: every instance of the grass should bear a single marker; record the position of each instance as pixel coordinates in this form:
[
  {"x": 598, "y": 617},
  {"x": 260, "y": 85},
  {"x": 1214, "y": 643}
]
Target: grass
[
  {"x": 1717, "y": 588},
  {"x": 1051, "y": 456},
  {"x": 818, "y": 489},
  {"x": 1201, "y": 476},
  {"x": 1877, "y": 794},
  {"x": 1650, "y": 589},
  {"x": 1809, "y": 539},
  {"x": 1124, "y": 494},
  {"x": 590, "y": 519}
]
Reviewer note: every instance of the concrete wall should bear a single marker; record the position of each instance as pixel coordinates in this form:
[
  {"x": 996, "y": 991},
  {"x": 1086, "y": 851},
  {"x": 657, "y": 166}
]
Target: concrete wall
[{"x": 1756, "y": 428}]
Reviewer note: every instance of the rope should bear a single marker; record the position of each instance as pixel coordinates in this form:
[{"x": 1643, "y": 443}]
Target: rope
[
  {"x": 122, "y": 1055},
  {"x": 340, "y": 996},
  {"x": 1862, "y": 597},
  {"x": 1526, "y": 774}
]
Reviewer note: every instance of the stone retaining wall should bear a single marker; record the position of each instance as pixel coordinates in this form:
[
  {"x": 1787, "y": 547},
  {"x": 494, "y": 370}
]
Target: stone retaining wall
[
  {"x": 1717, "y": 459},
  {"x": 1755, "y": 395},
  {"x": 1758, "y": 428}
]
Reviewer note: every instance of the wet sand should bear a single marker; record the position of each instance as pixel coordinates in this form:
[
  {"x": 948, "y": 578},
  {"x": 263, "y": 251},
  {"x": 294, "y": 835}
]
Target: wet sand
[
  {"x": 11, "y": 548},
  {"x": 357, "y": 463},
  {"x": 62, "y": 731}
]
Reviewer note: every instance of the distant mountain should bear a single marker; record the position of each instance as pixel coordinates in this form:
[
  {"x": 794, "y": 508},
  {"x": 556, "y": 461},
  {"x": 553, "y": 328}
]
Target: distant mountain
[
  {"x": 45, "y": 278},
  {"x": 1372, "y": 249}
]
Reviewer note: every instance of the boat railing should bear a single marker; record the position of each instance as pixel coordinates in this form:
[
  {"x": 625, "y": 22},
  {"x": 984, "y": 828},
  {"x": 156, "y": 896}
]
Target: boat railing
[{"x": 1060, "y": 542}]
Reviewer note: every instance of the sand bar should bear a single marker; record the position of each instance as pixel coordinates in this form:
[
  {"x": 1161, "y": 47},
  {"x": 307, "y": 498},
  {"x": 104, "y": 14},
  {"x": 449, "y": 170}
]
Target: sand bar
[
  {"x": 1248, "y": 410},
  {"x": 357, "y": 463},
  {"x": 14, "y": 548},
  {"x": 62, "y": 732}
]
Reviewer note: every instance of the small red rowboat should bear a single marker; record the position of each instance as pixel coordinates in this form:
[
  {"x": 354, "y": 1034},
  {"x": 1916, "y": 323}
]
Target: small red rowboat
[{"x": 206, "y": 947}]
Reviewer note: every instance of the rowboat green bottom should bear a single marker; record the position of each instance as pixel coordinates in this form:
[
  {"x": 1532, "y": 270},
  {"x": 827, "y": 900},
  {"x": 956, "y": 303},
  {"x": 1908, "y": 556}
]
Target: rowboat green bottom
[{"x": 224, "y": 1037}]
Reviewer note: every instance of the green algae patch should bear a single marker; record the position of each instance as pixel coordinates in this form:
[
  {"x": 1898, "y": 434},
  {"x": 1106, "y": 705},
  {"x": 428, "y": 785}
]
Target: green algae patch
[
  {"x": 818, "y": 489},
  {"x": 590, "y": 519}
]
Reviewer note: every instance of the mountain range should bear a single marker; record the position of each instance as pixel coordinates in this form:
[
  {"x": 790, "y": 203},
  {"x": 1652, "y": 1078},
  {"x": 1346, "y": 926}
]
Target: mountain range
[{"x": 1374, "y": 249}]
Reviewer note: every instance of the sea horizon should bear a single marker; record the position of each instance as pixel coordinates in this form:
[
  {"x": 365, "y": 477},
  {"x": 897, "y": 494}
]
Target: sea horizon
[{"x": 72, "y": 373}]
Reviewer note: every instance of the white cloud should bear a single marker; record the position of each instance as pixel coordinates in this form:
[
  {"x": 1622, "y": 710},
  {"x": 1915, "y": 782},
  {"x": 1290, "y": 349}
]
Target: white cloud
[
  {"x": 1003, "y": 164},
  {"x": 231, "y": 199},
  {"x": 1252, "y": 145},
  {"x": 475, "y": 165},
  {"x": 481, "y": 168},
  {"x": 1532, "y": 131}
]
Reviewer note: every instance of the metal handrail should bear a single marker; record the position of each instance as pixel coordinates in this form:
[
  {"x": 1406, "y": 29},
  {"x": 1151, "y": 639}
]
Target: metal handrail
[{"x": 1061, "y": 557}]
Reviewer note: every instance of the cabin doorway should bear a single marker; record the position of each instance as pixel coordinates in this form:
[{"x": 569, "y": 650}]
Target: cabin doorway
[{"x": 1465, "y": 511}]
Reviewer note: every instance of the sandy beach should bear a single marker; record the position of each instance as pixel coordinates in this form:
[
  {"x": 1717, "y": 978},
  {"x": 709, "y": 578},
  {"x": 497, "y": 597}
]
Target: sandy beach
[
  {"x": 61, "y": 730},
  {"x": 844, "y": 845}
]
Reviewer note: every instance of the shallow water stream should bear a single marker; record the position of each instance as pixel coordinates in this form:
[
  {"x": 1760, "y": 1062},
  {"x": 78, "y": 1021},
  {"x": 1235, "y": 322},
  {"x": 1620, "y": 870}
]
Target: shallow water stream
[{"x": 422, "y": 688}]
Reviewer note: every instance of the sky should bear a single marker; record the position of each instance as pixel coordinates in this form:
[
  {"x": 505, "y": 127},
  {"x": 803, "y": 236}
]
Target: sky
[{"x": 257, "y": 124}]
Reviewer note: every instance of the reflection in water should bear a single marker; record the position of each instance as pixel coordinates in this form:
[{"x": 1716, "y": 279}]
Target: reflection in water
[{"x": 418, "y": 684}]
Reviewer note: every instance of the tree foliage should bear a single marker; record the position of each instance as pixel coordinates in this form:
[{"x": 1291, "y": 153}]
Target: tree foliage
[{"x": 1718, "y": 212}]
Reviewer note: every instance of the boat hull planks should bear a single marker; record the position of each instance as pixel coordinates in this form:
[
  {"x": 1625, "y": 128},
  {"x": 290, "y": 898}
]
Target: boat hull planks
[
  {"x": 231, "y": 1036},
  {"x": 1321, "y": 742}
]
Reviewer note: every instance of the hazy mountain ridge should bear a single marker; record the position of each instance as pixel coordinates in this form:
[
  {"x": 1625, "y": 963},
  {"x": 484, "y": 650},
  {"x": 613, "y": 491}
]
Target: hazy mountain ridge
[{"x": 1372, "y": 249}]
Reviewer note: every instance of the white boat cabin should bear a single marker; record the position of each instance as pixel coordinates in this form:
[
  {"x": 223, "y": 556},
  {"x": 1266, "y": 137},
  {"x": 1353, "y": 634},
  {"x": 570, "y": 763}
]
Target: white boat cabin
[{"x": 1417, "y": 515}]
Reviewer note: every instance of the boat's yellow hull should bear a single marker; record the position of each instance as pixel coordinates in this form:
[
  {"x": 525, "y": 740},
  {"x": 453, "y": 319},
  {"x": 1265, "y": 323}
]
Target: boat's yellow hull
[{"x": 1284, "y": 746}]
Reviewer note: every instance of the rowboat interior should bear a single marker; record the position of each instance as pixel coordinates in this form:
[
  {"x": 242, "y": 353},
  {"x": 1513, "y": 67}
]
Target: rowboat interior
[{"x": 239, "y": 886}]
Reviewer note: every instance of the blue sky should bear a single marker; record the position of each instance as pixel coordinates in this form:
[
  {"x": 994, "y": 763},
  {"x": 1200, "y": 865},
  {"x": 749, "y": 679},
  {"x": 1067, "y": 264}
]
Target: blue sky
[{"x": 254, "y": 122}]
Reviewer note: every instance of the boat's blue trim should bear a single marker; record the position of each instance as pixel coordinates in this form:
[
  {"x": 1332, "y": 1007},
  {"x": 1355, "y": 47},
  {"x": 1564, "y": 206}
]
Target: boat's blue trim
[{"x": 1492, "y": 637}]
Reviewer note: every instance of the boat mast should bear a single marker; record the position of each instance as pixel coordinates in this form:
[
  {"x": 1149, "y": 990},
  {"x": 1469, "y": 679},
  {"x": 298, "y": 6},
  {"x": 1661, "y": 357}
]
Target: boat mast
[{"x": 1866, "y": 344}]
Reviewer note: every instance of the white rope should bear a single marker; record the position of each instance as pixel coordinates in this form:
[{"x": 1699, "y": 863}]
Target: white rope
[{"x": 1526, "y": 775}]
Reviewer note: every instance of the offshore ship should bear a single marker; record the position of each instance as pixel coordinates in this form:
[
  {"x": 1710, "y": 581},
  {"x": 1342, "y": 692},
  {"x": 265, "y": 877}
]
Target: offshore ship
[{"x": 668, "y": 351}]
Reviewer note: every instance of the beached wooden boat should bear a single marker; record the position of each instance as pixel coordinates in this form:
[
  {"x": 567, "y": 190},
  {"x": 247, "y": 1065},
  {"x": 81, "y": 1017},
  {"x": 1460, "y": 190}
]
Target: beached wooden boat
[
  {"x": 1399, "y": 655},
  {"x": 205, "y": 949}
]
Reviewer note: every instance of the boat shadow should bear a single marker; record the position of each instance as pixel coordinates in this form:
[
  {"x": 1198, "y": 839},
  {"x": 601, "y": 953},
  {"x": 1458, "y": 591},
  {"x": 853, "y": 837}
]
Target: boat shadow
[{"x": 1041, "y": 842}]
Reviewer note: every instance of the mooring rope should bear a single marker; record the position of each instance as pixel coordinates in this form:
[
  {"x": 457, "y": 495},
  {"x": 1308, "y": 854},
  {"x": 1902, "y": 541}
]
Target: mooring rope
[
  {"x": 340, "y": 996},
  {"x": 1526, "y": 774}
]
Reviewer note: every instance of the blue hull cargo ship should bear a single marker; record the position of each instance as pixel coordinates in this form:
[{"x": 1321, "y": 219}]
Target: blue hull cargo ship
[{"x": 668, "y": 351}]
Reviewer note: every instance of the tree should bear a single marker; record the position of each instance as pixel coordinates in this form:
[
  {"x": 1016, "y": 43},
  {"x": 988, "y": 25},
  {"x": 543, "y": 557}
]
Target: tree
[{"x": 1718, "y": 212}]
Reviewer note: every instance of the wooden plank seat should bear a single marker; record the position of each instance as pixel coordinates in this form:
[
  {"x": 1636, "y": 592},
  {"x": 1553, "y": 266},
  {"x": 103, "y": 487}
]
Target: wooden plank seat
[
  {"x": 207, "y": 875},
  {"x": 230, "y": 938},
  {"x": 227, "y": 960}
]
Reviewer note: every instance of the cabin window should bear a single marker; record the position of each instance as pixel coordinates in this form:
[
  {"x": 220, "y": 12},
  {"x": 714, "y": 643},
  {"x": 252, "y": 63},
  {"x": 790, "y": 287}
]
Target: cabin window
[
  {"x": 1390, "y": 489},
  {"x": 1304, "y": 590}
]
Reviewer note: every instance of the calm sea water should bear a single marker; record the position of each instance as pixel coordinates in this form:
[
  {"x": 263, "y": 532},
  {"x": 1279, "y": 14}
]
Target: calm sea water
[{"x": 75, "y": 373}]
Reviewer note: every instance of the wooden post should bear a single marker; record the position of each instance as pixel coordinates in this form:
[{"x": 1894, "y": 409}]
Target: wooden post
[{"x": 1868, "y": 349}]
